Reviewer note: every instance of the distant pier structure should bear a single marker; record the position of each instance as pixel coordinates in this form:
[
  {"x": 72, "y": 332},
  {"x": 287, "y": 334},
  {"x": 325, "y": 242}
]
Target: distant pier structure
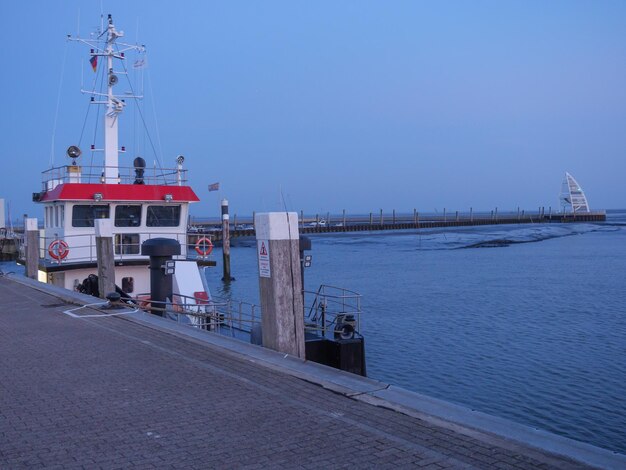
[{"x": 327, "y": 223}]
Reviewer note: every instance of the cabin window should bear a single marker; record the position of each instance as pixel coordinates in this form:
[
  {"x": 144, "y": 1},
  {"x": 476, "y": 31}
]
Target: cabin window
[
  {"x": 56, "y": 216},
  {"x": 128, "y": 285},
  {"x": 84, "y": 215},
  {"x": 128, "y": 216},
  {"x": 127, "y": 244},
  {"x": 163, "y": 216}
]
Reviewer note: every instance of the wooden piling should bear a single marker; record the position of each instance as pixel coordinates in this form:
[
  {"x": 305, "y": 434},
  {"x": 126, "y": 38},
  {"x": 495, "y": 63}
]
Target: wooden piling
[
  {"x": 280, "y": 282},
  {"x": 32, "y": 247},
  {"x": 226, "y": 241},
  {"x": 105, "y": 257}
]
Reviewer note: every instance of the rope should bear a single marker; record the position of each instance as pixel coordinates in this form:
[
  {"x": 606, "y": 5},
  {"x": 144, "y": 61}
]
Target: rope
[
  {"x": 145, "y": 126},
  {"x": 56, "y": 113}
]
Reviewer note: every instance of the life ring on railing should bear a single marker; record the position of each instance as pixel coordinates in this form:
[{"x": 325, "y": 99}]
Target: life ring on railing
[
  {"x": 204, "y": 246},
  {"x": 58, "y": 250}
]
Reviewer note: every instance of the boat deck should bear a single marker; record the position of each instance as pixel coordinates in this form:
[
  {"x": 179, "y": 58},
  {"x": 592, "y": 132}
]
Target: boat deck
[{"x": 81, "y": 387}]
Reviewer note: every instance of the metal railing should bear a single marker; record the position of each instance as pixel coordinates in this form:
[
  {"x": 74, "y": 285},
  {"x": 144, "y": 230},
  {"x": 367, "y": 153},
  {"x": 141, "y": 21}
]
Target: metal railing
[
  {"x": 126, "y": 246},
  {"x": 332, "y": 310},
  {"x": 127, "y": 175},
  {"x": 224, "y": 316}
]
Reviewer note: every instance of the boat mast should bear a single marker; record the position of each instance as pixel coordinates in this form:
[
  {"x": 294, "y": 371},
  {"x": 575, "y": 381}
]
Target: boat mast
[
  {"x": 114, "y": 107},
  {"x": 109, "y": 48}
]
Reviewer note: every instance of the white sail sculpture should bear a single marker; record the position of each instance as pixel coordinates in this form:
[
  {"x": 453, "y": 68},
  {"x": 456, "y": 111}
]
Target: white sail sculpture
[{"x": 572, "y": 196}]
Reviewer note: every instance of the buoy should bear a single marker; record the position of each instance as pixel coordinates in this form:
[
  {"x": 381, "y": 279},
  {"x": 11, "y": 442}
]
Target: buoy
[
  {"x": 204, "y": 247},
  {"x": 58, "y": 250}
]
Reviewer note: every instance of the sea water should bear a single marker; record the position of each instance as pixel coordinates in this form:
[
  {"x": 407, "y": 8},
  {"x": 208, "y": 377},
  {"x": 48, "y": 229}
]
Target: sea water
[{"x": 525, "y": 322}]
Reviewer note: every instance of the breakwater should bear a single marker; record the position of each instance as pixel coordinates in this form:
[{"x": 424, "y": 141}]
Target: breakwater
[{"x": 244, "y": 227}]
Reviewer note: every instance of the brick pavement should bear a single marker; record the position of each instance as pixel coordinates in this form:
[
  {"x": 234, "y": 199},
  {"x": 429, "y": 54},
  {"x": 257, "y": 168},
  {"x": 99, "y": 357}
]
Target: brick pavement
[{"x": 111, "y": 393}]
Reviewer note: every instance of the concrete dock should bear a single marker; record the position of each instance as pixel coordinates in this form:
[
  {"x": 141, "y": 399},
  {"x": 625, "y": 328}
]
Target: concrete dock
[{"x": 83, "y": 387}]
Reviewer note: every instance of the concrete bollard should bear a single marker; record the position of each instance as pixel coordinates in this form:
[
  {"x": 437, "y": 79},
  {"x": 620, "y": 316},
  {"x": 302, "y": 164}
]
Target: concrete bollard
[
  {"x": 280, "y": 282},
  {"x": 32, "y": 247},
  {"x": 105, "y": 257}
]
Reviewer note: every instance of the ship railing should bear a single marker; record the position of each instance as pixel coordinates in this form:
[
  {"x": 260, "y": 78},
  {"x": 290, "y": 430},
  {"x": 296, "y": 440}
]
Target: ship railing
[
  {"x": 220, "y": 315},
  {"x": 126, "y": 175},
  {"x": 81, "y": 248},
  {"x": 332, "y": 311}
]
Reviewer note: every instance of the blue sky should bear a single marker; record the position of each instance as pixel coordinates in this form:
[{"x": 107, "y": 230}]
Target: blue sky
[{"x": 356, "y": 105}]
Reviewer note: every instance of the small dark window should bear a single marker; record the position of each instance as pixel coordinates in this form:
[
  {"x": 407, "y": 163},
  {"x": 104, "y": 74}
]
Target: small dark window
[
  {"x": 84, "y": 216},
  {"x": 127, "y": 244},
  {"x": 163, "y": 216},
  {"x": 128, "y": 285},
  {"x": 128, "y": 216}
]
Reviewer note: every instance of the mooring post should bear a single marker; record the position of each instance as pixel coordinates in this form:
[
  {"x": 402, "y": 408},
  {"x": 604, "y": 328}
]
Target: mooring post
[
  {"x": 32, "y": 247},
  {"x": 456, "y": 216},
  {"x": 105, "y": 257},
  {"x": 225, "y": 241},
  {"x": 381, "y": 217},
  {"x": 160, "y": 251},
  {"x": 394, "y": 216},
  {"x": 280, "y": 282},
  {"x": 371, "y": 219},
  {"x": 471, "y": 216}
]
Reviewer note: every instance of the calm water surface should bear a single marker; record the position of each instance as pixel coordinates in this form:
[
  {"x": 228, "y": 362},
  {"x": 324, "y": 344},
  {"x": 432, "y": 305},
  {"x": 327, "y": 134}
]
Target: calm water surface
[{"x": 534, "y": 331}]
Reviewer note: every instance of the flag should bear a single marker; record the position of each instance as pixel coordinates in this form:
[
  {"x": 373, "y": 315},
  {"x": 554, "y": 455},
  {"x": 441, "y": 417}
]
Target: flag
[
  {"x": 214, "y": 187},
  {"x": 94, "y": 62}
]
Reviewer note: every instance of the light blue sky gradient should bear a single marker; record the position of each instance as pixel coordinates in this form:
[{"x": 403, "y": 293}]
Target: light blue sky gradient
[{"x": 339, "y": 104}]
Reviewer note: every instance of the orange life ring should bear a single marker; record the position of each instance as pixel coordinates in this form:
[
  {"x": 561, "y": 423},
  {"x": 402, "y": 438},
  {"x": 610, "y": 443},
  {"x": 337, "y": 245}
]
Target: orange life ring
[
  {"x": 204, "y": 247},
  {"x": 58, "y": 250}
]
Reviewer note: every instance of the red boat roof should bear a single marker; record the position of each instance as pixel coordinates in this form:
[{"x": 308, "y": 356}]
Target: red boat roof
[{"x": 119, "y": 192}]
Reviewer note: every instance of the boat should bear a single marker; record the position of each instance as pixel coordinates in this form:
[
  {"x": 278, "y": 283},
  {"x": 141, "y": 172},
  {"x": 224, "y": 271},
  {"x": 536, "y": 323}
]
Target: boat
[{"x": 141, "y": 203}]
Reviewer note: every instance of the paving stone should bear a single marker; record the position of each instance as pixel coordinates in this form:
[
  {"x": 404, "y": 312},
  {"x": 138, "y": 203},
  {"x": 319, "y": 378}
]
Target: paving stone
[{"x": 112, "y": 393}]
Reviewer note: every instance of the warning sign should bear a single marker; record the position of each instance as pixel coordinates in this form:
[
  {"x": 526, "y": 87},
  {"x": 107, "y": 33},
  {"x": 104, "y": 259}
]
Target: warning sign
[{"x": 263, "y": 252}]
